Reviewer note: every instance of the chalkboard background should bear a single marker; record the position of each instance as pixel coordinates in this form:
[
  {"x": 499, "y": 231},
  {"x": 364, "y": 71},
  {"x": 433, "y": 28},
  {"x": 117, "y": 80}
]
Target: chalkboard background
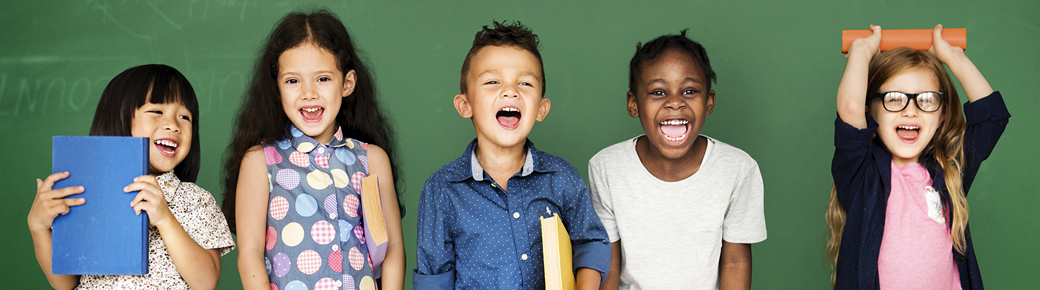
[{"x": 778, "y": 66}]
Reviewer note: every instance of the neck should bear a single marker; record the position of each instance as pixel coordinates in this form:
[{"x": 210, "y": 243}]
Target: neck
[
  {"x": 671, "y": 169},
  {"x": 501, "y": 163}
]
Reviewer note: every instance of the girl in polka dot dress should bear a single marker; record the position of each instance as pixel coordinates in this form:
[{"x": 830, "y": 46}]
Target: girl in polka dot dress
[
  {"x": 187, "y": 233},
  {"x": 292, "y": 184}
]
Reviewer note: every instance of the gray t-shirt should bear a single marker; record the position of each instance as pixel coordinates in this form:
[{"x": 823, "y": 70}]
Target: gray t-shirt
[{"x": 672, "y": 232}]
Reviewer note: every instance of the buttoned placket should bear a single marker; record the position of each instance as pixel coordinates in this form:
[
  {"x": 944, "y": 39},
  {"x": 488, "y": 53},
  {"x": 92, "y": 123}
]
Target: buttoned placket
[{"x": 518, "y": 223}]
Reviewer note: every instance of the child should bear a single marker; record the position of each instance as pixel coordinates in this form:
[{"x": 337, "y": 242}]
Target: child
[
  {"x": 681, "y": 208},
  {"x": 898, "y": 213},
  {"x": 299, "y": 222},
  {"x": 187, "y": 233},
  {"x": 478, "y": 222}
]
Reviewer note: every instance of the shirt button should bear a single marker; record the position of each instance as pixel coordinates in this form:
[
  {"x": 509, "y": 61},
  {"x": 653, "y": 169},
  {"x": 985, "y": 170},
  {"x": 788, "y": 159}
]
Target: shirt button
[
  {"x": 321, "y": 150},
  {"x": 523, "y": 257},
  {"x": 494, "y": 185},
  {"x": 516, "y": 215}
]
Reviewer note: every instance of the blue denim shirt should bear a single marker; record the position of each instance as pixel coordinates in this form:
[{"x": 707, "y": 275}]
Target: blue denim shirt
[
  {"x": 474, "y": 235},
  {"x": 862, "y": 174}
]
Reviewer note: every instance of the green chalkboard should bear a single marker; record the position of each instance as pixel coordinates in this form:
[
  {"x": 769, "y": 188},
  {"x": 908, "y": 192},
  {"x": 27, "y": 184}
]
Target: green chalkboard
[{"x": 778, "y": 67}]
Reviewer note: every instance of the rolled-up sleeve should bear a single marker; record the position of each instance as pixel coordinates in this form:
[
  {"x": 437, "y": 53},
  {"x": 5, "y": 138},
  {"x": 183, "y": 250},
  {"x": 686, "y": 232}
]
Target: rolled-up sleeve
[
  {"x": 435, "y": 251},
  {"x": 589, "y": 241}
]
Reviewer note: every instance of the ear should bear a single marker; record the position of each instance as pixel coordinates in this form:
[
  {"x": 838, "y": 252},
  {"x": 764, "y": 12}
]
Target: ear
[
  {"x": 349, "y": 81},
  {"x": 462, "y": 105},
  {"x": 543, "y": 109},
  {"x": 709, "y": 105},
  {"x": 632, "y": 105}
]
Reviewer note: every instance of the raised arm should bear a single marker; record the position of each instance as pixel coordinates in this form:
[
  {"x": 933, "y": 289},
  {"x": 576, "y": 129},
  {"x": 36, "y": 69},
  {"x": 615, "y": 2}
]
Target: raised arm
[
  {"x": 975, "y": 86},
  {"x": 251, "y": 216},
  {"x": 852, "y": 90},
  {"x": 394, "y": 263}
]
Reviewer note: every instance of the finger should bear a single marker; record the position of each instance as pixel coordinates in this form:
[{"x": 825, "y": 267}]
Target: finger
[
  {"x": 39, "y": 182},
  {"x": 48, "y": 183},
  {"x": 846, "y": 55},
  {"x": 876, "y": 30},
  {"x": 937, "y": 33},
  {"x": 70, "y": 202},
  {"x": 64, "y": 192}
]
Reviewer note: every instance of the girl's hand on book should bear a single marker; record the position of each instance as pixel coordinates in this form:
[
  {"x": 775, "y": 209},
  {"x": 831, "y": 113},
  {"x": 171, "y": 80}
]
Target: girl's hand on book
[
  {"x": 942, "y": 49},
  {"x": 150, "y": 200},
  {"x": 49, "y": 203},
  {"x": 869, "y": 46}
]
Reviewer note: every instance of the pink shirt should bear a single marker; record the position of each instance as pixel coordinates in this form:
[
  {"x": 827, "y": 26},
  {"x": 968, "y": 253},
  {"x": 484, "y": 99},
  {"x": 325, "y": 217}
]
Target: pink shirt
[{"x": 916, "y": 250}]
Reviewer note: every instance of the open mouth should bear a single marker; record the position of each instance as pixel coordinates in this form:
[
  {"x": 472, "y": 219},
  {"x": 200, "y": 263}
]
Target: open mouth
[
  {"x": 674, "y": 130},
  {"x": 166, "y": 147},
  {"x": 908, "y": 133},
  {"x": 508, "y": 117},
  {"x": 312, "y": 114}
]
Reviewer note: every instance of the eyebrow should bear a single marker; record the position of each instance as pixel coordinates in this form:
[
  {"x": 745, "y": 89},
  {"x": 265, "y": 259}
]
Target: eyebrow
[{"x": 684, "y": 80}]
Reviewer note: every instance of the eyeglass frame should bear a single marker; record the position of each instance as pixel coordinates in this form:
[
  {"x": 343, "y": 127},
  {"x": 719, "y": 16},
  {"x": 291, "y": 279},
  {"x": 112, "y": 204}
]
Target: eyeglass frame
[{"x": 909, "y": 96}]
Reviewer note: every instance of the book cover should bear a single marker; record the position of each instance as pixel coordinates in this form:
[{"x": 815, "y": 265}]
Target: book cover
[
  {"x": 375, "y": 225},
  {"x": 556, "y": 250},
  {"x": 102, "y": 236}
]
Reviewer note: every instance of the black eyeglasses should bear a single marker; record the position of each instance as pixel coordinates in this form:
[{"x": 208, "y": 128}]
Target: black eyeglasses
[{"x": 897, "y": 101}]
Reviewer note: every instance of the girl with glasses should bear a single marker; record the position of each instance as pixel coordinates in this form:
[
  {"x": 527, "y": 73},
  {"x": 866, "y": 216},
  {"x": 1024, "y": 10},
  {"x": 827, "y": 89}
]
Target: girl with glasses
[{"x": 898, "y": 211}]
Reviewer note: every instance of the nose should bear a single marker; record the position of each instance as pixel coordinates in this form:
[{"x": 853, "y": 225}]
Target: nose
[
  {"x": 674, "y": 101},
  {"x": 308, "y": 91},
  {"x": 170, "y": 124},
  {"x": 510, "y": 92},
  {"x": 911, "y": 109}
]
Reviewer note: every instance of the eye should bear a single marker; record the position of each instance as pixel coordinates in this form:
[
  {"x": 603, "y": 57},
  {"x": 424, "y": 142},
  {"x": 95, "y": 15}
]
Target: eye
[
  {"x": 689, "y": 92},
  {"x": 657, "y": 93},
  {"x": 526, "y": 84},
  {"x": 292, "y": 81},
  {"x": 491, "y": 83},
  {"x": 155, "y": 112},
  {"x": 185, "y": 117},
  {"x": 324, "y": 79}
]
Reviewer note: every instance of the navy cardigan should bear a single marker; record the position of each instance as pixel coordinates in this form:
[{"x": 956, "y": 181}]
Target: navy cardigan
[{"x": 862, "y": 174}]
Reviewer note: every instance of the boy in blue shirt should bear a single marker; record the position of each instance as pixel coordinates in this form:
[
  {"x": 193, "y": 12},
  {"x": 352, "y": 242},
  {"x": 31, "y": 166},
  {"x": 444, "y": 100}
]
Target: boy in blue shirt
[{"x": 478, "y": 224}]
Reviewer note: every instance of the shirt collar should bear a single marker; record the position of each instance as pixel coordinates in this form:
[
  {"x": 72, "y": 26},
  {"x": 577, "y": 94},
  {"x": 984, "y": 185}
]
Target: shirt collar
[
  {"x": 305, "y": 144},
  {"x": 468, "y": 167}
]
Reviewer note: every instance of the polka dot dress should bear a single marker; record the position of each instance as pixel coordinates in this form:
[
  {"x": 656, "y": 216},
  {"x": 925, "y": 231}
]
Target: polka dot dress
[{"x": 315, "y": 235}]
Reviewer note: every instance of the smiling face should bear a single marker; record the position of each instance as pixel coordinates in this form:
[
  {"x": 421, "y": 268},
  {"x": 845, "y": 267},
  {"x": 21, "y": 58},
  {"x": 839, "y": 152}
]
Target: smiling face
[
  {"x": 671, "y": 102},
  {"x": 168, "y": 127},
  {"x": 503, "y": 96},
  {"x": 908, "y": 132},
  {"x": 312, "y": 88}
]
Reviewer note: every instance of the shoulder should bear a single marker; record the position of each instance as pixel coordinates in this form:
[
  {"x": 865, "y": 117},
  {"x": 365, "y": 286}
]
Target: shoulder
[
  {"x": 448, "y": 173},
  {"x": 730, "y": 155},
  {"x": 256, "y": 152},
  {"x": 613, "y": 153}
]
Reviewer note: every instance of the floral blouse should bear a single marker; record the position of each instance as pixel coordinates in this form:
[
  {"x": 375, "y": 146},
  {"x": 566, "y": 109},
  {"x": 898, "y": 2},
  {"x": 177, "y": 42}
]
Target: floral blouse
[{"x": 201, "y": 218}]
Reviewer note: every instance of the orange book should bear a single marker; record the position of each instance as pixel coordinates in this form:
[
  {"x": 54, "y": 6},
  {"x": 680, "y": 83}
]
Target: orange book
[
  {"x": 918, "y": 39},
  {"x": 556, "y": 250},
  {"x": 375, "y": 224}
]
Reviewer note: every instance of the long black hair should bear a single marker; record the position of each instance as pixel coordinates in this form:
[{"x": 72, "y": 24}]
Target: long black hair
[
  {"x": 262, "y": 118},
  {"x": 131, "y": 89}
]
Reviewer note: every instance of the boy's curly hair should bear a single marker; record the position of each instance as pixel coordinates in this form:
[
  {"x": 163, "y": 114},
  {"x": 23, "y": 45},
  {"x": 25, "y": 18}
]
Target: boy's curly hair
[
  {"x": 650, "y": 50},
  {"x": 503, "y": 34}
]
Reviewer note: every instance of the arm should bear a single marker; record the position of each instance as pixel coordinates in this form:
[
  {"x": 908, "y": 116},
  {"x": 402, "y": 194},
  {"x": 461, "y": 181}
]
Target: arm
[
  {"x": 735, "y": 266},
  {"x": 251, "y": 216},
  {"x": 852, "y": 90},
  {"x": 587, "y": 279},
  {"x": 434, "y": 247},
  {"x": 48, "y": 205},
  {"x": 394, "y": 263},
  {"x": 199, "y": 267},
  {"x": 975, "y": 86},
  {"x": 613, "y": 280}
]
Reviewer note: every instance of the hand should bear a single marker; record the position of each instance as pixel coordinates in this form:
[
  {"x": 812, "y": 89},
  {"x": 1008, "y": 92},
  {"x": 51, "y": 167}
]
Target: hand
[
  {"x": 49, "y": 203},
  {"x": 869, "y": 45},
  {"x": 151, "y": 200},
  {"x": 942, "y": 49}
]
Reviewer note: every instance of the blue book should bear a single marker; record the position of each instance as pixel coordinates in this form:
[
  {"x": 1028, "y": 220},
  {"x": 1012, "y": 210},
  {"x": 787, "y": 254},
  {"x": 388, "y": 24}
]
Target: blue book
[{"x": 102, "y": 236}]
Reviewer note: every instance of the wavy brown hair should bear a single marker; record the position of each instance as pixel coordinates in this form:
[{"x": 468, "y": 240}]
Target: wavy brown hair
[
  {"x": 262, "y": 119},
  {"x": 946, "y": 146}
]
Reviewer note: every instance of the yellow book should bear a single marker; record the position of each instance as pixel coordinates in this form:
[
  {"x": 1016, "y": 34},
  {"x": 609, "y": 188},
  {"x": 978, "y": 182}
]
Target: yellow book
[
  {"x": 556, "y": 250},
  {"x": 375, "y": 225}
]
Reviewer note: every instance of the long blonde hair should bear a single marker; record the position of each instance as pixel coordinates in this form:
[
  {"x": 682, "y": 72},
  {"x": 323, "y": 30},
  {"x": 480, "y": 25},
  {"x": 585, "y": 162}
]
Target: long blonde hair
[{"x": 946, "y": 145}]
